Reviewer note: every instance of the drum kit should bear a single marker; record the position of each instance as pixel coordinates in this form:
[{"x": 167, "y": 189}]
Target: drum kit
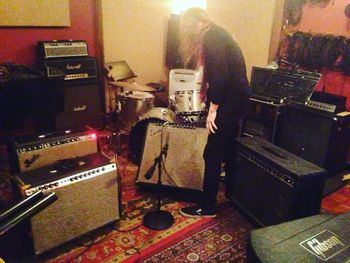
[{"x": 135, "y": 109}]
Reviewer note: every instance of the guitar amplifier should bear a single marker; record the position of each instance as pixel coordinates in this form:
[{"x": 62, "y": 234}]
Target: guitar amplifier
[
  {"x": 88, "y": 198},
  {"x": 184, "y": 165},
  {"x": 272, "y": 185},
  {"x": 31, "y": 152},
  {"x": 62, "y": 48},
  {"x": 71, "y": 68}
]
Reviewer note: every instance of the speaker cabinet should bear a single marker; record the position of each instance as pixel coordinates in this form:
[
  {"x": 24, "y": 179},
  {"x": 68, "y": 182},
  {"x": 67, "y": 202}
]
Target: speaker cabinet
[
  {"x": 316, "y": 136},
  {"x": 82, "y": 105},
  {"x": 87, "y": 199},
  {"x": 28, "y": 153},
  {"x": 184, "y": 165},
  {"x": 263, "y": 119},
  {"x": 272, "y": 185}
]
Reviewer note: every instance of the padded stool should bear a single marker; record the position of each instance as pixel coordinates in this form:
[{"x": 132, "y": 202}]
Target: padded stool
[{"x": 320, "y": 238}]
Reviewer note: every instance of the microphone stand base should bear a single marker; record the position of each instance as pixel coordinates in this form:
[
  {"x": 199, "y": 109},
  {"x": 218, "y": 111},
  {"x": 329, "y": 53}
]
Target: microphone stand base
[{"x": 158, "y": 220}]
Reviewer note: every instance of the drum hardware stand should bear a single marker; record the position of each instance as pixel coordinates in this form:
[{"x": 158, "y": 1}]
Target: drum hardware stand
[{"x": 158, "y": 219}]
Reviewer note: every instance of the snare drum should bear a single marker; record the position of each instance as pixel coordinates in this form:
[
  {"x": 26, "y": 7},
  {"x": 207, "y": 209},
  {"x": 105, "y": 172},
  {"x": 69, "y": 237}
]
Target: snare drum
[
  {"x": 132, "y": 105},
  {"x": 188, "y": 101},
  {"x": 138, "y": 132}
]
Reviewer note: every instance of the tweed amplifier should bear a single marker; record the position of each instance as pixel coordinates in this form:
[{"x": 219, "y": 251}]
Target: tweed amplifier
[
  {"x": 272, "y": 185},
  {"x": 88, "y": 198},
  {"x": 62, "y": 48},
  {"x": 28, "y": 153},
  {"x": 183, "y": 166}
]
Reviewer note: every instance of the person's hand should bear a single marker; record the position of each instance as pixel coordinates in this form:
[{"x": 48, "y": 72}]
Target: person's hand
[{"x": 211, "y": 126}]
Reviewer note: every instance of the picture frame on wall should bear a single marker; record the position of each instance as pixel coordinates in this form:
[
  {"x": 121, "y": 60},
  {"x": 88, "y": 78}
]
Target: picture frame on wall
[{"x": 40, "y": 13}]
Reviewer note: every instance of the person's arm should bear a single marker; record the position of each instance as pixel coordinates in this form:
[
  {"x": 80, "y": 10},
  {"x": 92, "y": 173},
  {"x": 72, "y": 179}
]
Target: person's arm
[{"x": 211, "y": 126}]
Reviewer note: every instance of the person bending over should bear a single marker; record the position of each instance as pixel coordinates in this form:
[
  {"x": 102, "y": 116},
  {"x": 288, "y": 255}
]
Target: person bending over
[{"x": 207, "y": 46}]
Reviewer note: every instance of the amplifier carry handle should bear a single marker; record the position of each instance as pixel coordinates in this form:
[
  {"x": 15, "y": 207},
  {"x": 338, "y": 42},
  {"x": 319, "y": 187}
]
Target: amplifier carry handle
[{"x": 274, "y": 152}]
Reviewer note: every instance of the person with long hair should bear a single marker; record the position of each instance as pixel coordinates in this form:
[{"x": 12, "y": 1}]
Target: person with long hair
[{"x": 207, "y": 46}]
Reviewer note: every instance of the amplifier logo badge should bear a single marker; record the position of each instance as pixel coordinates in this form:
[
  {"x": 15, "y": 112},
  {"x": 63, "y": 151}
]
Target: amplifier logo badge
[
  {"x": 29, "y": 162},
  {"x": 69, "y": 66},
  {"x": 80, "y": 108},
  {"x": 324, "y": 245}
]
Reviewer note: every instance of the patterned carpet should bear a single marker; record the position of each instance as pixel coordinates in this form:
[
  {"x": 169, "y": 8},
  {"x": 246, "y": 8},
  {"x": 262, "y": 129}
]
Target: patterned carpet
[
  {"x": 221, "y": 239},
  {"x": 188, "y": 240}
]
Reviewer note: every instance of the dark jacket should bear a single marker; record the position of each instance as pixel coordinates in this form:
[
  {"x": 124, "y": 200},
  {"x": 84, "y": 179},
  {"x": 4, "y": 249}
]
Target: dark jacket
[{"x": 225, "y": 72}]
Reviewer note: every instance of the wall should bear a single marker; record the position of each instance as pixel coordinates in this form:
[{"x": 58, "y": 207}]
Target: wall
[
  {"x": 135, "y": 31},
  {"x": 18, "y": 43},
  {"x": 329, "y": 19}
]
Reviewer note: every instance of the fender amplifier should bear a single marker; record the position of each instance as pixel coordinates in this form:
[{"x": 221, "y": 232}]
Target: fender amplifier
[
  {"x": 88, "y": 198},
  {"x": 272, "y": 185},
  {"x": 183, "y": 166},
  {"x": 31, "y": 152}
]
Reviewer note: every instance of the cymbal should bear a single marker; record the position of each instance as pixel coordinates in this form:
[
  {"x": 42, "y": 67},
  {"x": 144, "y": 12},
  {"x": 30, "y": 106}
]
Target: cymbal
[{"x": 132, "y": 86}]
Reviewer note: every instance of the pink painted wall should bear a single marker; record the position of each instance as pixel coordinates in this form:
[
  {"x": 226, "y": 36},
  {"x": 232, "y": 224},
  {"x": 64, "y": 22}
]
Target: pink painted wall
[
  {"x": 18, "y": 44},
  {"x": 328, "y": 19}
]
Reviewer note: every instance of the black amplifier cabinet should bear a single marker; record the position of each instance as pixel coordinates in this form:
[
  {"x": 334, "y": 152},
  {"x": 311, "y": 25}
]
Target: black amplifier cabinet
[
  {"x": 71, "y": 68},
  {"x": 272, "y": 185},
  {"x": 88, "y": 198},
  {"x": 315, "y": 135},
  {"x": 82, "y": 105},
  {"x": 34, "y": 151},
  {"x": 263, "y": 119}
]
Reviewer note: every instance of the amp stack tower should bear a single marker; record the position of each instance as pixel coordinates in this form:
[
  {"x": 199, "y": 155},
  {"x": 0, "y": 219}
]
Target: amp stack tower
[{"x": 68, "y": 64}]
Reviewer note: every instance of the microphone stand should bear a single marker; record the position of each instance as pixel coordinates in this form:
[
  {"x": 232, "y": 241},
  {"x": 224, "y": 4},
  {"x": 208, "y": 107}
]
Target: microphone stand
[{"x": 159, "y": 219}]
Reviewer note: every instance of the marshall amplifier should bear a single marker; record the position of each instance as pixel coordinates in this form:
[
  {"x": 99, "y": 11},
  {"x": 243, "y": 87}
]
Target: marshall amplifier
[
  {"x": 62, "y": 48},
  {"x": 88, "y": 198},
  {"x": 71, "y": 68},
  {"x": 272, "y": 185},
  {"x": 31, "y": 152},
  {"x": 184, "y": 165}
]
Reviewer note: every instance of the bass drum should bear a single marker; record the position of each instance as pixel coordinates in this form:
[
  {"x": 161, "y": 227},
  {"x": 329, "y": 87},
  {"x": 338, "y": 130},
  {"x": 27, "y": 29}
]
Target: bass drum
[
  {"x": 133, "y": 104},
  {"x": 138, "y": 131}
]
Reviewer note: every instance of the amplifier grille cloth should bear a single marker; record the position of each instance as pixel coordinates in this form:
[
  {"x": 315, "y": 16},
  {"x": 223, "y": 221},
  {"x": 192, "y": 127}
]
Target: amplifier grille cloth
[
  {"x": 42, "y": 157},
  {"x": 184, "y": 164},
  {"x": 81, "y": 207}
]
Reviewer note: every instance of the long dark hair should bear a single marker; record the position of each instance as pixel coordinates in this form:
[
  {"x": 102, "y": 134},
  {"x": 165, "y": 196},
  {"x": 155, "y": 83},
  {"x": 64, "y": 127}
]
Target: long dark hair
[{"x": 190, "y": 35}]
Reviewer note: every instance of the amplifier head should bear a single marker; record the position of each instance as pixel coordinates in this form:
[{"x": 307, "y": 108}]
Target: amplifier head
[
  {"x": 62, "y": 48},
  {"x": 184, "y": 163},
  {"x": 88, "y": 198},
  {"x": 38, "y": 151}
]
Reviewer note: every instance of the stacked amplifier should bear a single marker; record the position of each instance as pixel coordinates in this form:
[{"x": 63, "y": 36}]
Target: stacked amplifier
[
  {"x": 69, "y": 164},
  {"x": 67, "y": 58},
  {"x": 68, "y": 64}
]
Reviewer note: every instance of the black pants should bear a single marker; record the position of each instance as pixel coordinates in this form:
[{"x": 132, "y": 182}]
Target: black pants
[{"x": 220, "y": 148}]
